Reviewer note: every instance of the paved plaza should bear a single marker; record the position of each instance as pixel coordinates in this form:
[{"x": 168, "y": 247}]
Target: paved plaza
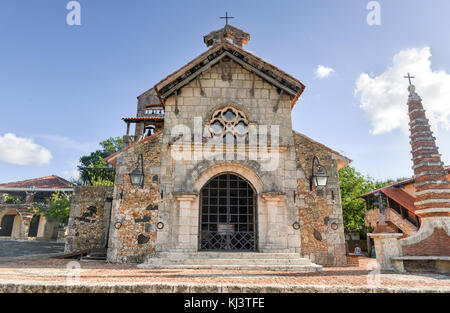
[
  {"x": 14, "y": 248},
  {"x": 56, "y": 275}
]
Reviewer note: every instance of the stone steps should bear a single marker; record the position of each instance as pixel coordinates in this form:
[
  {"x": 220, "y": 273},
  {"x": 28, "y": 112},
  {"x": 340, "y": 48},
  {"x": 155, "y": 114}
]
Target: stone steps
[
  {"x": 231, "y": 261},
  {"x": 298, "y": 261},
  {"x": 238, "y": 267},
  {"x": 227, "y": 255}
]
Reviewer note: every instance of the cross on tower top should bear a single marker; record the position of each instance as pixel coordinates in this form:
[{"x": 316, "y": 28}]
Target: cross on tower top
[
  {"x": 409, "y": 78},
  {"x": 226, "y": 17}
]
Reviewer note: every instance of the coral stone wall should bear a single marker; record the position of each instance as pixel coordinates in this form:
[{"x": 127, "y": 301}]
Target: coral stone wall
[
  {"x": 135, "y": 209},
  {"x": 89, "y": 217},
  {"x": 321, "y": 221}
]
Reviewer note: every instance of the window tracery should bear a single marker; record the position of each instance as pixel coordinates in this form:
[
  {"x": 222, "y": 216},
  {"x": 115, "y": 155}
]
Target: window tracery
[{"x": 228, "y": 120}]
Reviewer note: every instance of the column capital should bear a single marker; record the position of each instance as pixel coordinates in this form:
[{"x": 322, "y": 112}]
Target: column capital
[
  {"x": 185, "y": 196},
  {"x": 273, "y": 196},
  {"x": 384, "y": 235}
]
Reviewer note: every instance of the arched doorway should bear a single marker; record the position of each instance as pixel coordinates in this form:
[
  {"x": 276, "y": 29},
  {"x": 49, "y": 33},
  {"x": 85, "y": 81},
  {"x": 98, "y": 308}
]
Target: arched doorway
[
  {"x": 228, "y": 214},
  {"x": 10, "y": 224},
  {"x": 34, "y": 226},
  {"x": 7, "y": 224}
]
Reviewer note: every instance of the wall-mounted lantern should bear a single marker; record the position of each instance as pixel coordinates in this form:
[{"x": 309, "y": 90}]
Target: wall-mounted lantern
[
  {"x": 319, "y": 177},
  {"x": 137, "y": 175}
]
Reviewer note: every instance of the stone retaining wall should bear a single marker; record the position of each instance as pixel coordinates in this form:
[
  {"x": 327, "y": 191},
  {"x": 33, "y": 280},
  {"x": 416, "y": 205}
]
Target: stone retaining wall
[
  {"x": 89, "y": 217},
  {"x": 135, "y": 209}
]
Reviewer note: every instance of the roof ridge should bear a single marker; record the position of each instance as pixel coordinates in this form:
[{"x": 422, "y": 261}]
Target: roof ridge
[
  {"x": 115, "y": 154},
  {"x": 38, "y": 179},
  {"x": 287, "y": 80},
  {"x": 321, "y": 144}
]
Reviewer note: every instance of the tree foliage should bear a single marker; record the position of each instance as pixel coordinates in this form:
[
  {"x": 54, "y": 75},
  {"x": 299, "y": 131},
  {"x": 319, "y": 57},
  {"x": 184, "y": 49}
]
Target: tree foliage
[
  {"x": 57, "y": 207},
  {"x": 95, "y": 161},
  {"x": 354, "y": 184},
  {"x": 12, "y": 200}
]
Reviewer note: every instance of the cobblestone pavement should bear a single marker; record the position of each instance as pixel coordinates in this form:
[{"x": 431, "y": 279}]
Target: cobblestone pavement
[
  {"x": 91, "y": 273},
  {"x": 10, "y": 248}
]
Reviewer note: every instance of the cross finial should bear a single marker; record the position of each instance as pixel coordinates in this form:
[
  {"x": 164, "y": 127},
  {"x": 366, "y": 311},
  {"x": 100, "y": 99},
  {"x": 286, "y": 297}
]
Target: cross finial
[
  {"x": 409, "y": 78},
  {"x": 226, "y": 17}
]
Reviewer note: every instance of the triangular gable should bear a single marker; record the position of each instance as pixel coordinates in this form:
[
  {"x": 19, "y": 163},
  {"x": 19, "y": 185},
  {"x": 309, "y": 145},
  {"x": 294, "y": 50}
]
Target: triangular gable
[
  {"x": 342, "y": 160},
  {"x": 289, "y": 84}
]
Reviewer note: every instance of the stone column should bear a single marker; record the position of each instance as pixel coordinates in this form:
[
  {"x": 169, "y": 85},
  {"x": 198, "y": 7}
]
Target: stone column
[
  {"x": 25, "y": 226},
  {"x": 185, "y": 235},
  {"x": 276, "y": 236},
  {"x": 387, "y": 246}
]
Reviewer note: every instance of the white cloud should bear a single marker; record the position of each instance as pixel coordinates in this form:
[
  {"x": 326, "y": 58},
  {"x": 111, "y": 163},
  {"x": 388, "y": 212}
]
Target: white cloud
[
  {"x": 323, "y": 71},
  {"x": 384, "y": 97},
  {"x": 67, "y": 143},
  {"x": 22, "y": 151},
  {"x": 73, "y": 172}
]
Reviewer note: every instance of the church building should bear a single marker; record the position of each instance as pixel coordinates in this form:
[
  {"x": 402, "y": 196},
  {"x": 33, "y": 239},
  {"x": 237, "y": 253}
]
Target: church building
[{"x": 215, "y": 171}]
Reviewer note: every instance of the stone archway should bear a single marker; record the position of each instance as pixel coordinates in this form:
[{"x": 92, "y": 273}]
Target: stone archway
[
  {"x": 238, "y": 169},
  {"x": 11, "y": 224},
  {"x": 270, "y": 219},
  {"x": 228, "y": 214}
]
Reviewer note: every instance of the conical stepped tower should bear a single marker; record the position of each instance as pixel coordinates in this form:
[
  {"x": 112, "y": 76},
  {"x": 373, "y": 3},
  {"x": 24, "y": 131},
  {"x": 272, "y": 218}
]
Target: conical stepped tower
[{"x": 432, "y": 188}]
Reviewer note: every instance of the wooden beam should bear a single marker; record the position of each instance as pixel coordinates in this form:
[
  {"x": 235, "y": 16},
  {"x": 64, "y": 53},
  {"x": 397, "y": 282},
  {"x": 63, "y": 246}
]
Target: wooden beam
[
  {"x": 263, "y": 75},
  {"x": 275, "y": 108},
  {"x": 193, "y": 76}
]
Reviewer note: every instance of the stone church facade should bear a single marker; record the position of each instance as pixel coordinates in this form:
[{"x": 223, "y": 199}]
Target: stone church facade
[{"x": 252, "y": 194}]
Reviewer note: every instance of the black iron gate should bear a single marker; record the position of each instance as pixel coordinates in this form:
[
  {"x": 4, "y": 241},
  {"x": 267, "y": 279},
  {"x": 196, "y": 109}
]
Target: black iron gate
[{"x": 228, "y": 215}]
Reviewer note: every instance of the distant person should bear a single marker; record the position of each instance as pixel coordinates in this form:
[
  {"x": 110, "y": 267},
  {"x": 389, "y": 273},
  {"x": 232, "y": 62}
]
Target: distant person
[
  {"x": 357, "y": 250},
  {"x": 374, "y": 255}
]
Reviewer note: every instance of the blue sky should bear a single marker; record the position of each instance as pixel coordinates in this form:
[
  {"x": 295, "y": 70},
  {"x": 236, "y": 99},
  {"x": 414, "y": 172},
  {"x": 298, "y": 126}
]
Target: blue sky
[{"x": 64, "y": 88}]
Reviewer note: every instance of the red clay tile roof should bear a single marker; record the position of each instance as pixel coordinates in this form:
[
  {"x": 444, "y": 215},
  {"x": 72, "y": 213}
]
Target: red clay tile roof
[
  {"x": 397, "y": 184},
  {"x": 250, "y": 58},
  {"x": 400, "y": 183},
  {"x": 50, "y": 182},
  {"x": 142, "y": 118},
  {"x": 401, "y": 197}
]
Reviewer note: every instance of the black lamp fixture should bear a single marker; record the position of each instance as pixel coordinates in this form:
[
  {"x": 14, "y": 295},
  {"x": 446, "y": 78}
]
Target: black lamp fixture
[
  {"x": 319, "y": 177},
  {"x": 137, "y": 175}
]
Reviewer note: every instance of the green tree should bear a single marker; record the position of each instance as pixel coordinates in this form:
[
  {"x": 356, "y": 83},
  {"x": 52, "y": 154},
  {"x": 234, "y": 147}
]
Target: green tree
[
  {"x": 353, "y": 184},
  {"x": 12, "y": 200},
  {"x": 95, "y": 161},
  {"x": 57, "y": 207}
]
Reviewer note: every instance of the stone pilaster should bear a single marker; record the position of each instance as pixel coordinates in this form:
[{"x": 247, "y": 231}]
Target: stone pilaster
[
  {"x": 387, "y": 246},
  {"x": 187, "y": 230},
  {"x": 276, "y": 235}
]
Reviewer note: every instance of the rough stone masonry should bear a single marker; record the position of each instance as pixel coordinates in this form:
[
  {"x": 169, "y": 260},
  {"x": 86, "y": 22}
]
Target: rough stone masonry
[{"x": 230, "y": 91}]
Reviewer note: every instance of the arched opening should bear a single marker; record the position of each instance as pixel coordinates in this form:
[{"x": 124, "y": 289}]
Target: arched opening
[
  {"x": 6, "y": 225},
  {"x": 34, "y": 226},
  {"x": 10, "y": 224},
  {"x": 228, "y": 214}
]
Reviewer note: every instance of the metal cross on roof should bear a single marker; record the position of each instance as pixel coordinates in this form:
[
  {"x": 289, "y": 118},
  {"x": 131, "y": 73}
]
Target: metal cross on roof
[
  {"x": 226, "y": 17},
  {"x": 409, "y": 78}
]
